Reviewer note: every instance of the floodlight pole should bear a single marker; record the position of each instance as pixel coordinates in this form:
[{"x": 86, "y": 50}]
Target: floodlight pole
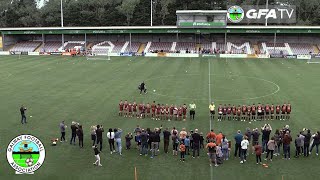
[
  {"x": 130, "y": 37},
  {"x": 151, "y": 14},
  {"x": 62, "y": 36},
  {"x": 267, "y": 4},
  {"x": 61, "y": 14},
  {"x": 274, "y": 42}
]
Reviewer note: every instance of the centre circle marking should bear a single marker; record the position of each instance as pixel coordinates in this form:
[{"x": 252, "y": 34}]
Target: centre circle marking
[{"x": 220, "y": 75}]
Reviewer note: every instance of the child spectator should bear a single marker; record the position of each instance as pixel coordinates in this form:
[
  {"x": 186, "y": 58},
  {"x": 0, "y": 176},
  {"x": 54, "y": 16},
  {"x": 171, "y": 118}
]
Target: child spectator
[
  {"x": 182, "y": 149},
  {"x": 187, "y": 144},
  {"x": 128, "y": 140},
  {"x": 224, "y": 148},
  {"x": 258, "y": 151}
]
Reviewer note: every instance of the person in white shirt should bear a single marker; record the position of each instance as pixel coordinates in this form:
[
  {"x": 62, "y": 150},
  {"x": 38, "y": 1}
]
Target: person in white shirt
[
  {"x": 244, "y": 148},
  {"x": 110, "y": 136}
]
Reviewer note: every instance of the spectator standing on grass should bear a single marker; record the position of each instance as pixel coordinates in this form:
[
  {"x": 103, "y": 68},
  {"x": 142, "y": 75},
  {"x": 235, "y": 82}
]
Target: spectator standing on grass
[
  {"x": 255, "y": 138},
  {"x": 182, "y": 149},
  {"x": 99, "y": 132},
  {"x": 128, "y": 138},
  {"x": 117, "y": 138},
  {"x": 183, "y": 134},
  {"x": 110, "y": 136},
  {"x": 224, "y": 148},
  {"x": 166, "y": 140},
  {"x": 299, "y": 142},
  {"x": 73, "y": 132},
  {"x": 307, "y": 138},
  {"x": 238, "y": 138},
  {"x": 175, "y": 143},
  {"x": 258, "y": 151},
  {"x": 23, "y": 110},
  {"x": 192, "y": 108},
  {"x": 248, "y": 133},
  {"x": 316, "y": 142},
  {"x": 196, "y": 143},
  {"x": 144, "y": 137},
  {"x": 266, "y": 130},
  {"x": 157, "y": 138},
  {"x": 271, "y": 146},
  {"x": 278, "y": 140},
  {"x": 149, "y": 142},
  {"x": 191, "y": 139},
  {"x": 93, "y": 135},
  {"x": 80, "y": 136},
  {"x": 63, "y": 131},
  {"x": 219, "y": 155},
  {"x": 244, "y": 148},
  {"x": 187, "y": 144},
  {"x": 286, "y": 145}
]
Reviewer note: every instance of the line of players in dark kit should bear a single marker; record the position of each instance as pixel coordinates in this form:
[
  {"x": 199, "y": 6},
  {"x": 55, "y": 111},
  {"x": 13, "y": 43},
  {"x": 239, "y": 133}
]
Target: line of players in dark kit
[
  {"x": 153, "y": 111},
  {"x": 254, "y": 112}
]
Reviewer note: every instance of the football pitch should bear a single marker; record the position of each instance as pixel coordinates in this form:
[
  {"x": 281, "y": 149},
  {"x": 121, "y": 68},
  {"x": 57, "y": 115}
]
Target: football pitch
[{"x": 57, "y": 88}]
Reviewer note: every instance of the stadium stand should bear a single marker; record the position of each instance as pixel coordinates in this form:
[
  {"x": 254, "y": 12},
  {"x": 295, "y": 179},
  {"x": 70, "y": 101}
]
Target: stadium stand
[
  {"x": 161, "y": 46},
  {"x": 27, "y": 46},
  {"x": 134, "y": 47},
  {"x": 221, "y": 47},
  {"x": 183, "y": 46},
  {"x": 73, "y": 44},
  {"x": 301, "y": 49},
  {"x": 117, "y": 46},
  {"x": 51, "y": 46},
  {"x": 207, "y": 46}
]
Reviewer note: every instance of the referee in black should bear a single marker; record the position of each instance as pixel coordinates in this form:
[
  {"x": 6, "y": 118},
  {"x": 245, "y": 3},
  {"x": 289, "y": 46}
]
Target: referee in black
[
  {"x": 143, "y": 88},
  {"x": 23, "y": 114}
]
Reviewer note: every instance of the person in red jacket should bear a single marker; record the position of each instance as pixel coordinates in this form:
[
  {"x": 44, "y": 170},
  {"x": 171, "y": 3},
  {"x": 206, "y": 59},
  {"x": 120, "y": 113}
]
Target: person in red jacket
[
  {"x": 258, "y": 151},
  {"x": 287, "y": 139}
]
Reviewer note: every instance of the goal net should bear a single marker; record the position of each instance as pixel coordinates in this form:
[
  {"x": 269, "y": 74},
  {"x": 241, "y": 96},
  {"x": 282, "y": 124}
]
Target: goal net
[{"x": 99, "y": 53}]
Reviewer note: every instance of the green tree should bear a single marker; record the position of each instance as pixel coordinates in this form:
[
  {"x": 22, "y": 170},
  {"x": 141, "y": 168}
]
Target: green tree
[
  {"x": 164, "y": 9},
  {"x": 127, "y": 8}
]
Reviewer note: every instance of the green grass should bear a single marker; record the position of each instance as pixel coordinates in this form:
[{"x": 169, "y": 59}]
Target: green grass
[{"x": 55, "y": 89}]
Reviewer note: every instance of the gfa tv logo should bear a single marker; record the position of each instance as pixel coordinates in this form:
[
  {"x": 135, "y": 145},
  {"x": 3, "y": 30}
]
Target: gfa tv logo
[
  {"x": 269, "y": 13},
  {"x": 258, "y": 14}
]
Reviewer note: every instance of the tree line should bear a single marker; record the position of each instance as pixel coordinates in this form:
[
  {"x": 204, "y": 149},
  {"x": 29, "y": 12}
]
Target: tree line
[{"x": 46, "y": 13}]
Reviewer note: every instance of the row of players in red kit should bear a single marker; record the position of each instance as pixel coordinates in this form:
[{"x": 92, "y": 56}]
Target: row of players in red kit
[
  {"x": 155, "y": 111},
  {"x": 253, "y": 112}
]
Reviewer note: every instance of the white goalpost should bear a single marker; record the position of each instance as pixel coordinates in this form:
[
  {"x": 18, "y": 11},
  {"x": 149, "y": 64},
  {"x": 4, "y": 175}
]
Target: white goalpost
[{"x": 99, "y": 53}]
